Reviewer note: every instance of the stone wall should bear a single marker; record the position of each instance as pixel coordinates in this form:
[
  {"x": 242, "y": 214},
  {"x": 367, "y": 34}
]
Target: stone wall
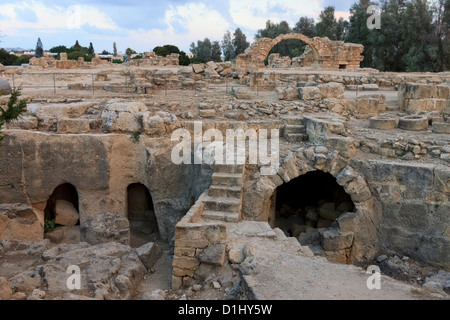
[
  {"x": 151, "y": 59},
  {"x": 100, "y": 167},
  {"x": 416, "y": 98},
  {"x": 415, "y": 208},
  {"x": 197, "y": 244},
  {"x": 323, "y": 53}
]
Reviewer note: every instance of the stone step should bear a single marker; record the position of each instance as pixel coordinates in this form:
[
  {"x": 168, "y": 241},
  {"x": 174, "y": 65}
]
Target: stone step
[
  {"x": 294, "y": 120},
  {"x": 296, "y": 137},
  {"x": 227, "y": 179},
  {"x": 228, "y": 168},
  {"x": 222, "y": 204},
  {"x": 225, "y": 192},
  {"x": 289, "y": 128},
  {"x": 221, "y": 216}
]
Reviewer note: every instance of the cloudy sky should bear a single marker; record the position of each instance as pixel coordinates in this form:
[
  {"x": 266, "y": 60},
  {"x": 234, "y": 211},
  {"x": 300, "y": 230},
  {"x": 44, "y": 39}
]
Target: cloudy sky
[{"x": 142, "y": 25}]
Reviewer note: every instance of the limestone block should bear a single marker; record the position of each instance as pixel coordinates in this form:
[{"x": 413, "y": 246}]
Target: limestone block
[
  {"x": 66, "y": 214},
  {"x": 104, "y": 228},
  {"x": 25, "y": 123},
  {"x": 213, "y": 254},
  {"x": 149, "y": 253},
  {"x": 72, "y": 126},
  {"x": 288, "y": 94},
  {"x": 309, "y": 93},
  {"x": 5, "y": 87},
  {"x": 331, "y": 90}
]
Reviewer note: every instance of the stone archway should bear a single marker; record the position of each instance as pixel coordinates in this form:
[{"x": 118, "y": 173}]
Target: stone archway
[
  {"x": 324, "y": 52},
  {"x": 63, "y": 206},
  {"x": 353, "y": 238},
  {"x": 141, "y": 215}
]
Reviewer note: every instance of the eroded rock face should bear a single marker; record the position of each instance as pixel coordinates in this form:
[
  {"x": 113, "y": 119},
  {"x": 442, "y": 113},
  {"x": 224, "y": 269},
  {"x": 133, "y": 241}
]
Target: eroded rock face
[
  {"x": 109, "y": 271},
  {"x": 20, "y": 222},
  {"x": 104, "y": 228}
]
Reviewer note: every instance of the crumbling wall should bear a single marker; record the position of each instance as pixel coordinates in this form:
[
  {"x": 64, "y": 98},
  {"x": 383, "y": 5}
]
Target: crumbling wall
[
  {"x": 323, "y": 53},
  {"x": 100, "y": 167},
  {"x": 197, "y": 244},
  {"x": 415, "y": 98}
]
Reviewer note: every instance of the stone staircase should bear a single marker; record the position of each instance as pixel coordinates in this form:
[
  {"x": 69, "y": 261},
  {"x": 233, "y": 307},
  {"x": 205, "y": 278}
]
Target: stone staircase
[
  {"x": 224, "y": 200},
  {"x": 294, "y": 131}
]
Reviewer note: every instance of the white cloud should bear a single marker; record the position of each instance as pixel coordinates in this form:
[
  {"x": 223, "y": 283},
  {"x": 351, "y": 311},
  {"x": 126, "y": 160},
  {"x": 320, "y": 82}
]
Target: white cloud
[
  {"x": 197, "y": 20},
  {"x": 54, "y": 19},
  {"x": 253, "y": 14}
]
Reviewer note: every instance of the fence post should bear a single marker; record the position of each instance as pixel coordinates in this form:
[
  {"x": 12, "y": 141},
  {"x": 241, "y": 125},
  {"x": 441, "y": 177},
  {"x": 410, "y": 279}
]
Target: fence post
[
  {"x": 54, "y": 84},
  {"x": 165, "y": 86},
  {"x": 226, "y": 86},
  {"x": 14, "y": 83}
]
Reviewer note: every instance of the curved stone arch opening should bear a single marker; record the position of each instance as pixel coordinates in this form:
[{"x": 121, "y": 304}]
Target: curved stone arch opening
[
  {"x": 358, "y": 227},
  {"x": 264, "y": 50},
  {"x": 141, "y": 215},
  {"x": 63, "y": 207}
]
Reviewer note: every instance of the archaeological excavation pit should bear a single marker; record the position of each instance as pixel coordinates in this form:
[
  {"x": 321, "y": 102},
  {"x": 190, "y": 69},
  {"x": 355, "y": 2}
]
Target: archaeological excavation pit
[
  {"x": 308, "y": 203},
  {"x": 141, "y": 214}
]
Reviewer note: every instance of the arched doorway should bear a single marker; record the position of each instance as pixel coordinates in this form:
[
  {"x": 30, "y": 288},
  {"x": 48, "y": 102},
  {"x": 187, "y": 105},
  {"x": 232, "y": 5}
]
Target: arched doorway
[
  {"x": 308, "y": 203},
  {"x": 62, "y": 215},
  {"x": 63, "y": 206},
  {"x": 141, "y": 214}
]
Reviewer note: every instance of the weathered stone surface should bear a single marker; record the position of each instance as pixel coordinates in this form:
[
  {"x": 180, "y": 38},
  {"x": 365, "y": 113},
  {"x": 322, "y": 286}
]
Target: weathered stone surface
[
  {"x": 5, "y": 87},
  {"x": 309, "y": 93},
  {"x": 20, "y": 222},
  {"x": 66, "y": 214},
  {"x": 69, "y": 235},
  {"x": 331, "y": 90},
  {"x": 37, "y": 295},
  {"x": 236, "y": 256},
  {"x": 213, "y": 254},
  {"x": 66, "y": 125},
  {"x": 5, "y": 290},
  {"x": 288, "y": 94},
  {"x": 332, "y": 240},
  {"x": 25, "y": 123},
  {"x": 149, "y": 253},
  {"x": 108, "y": 271},
  {"x": 104, "y": 228}
]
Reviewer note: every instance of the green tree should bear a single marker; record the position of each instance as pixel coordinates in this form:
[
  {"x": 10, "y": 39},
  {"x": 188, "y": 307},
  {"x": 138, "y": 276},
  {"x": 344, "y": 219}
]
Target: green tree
[
  {"x": 161, "y": 51},
  {"x": 358, "y": 31},
  {"x": 201, "y": 51},
  {"x": 6, "y": 58},
  {"x": 341, "y": 29},
  {"x": 387, "y": 45},
  {"x": 326, "y": 27},
  {"x": 105, "y": 52},
  {"x": 15, "y": 108},
  {"x": 39, "y": 52},
  {"x": 91, "y": 49},
  {"x": 76, "y": 47},
  {"x": 446, "y": 34},
  {"x": 291, "y": 48},
  {"x": 216, "y": 52},
  {"x": 239, "y": 42},
  {"x": 417, "y": 34},
  {"x": 305, "y": 26},
  {"x": 227, "y": 47},
  {"x": 184, "y": 59},
  {"x": 114, "y": 49},
  {"x": 59, "y": 49}
]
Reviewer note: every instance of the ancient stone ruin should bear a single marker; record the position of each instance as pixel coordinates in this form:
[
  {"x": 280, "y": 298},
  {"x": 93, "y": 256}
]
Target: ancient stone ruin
[
  {"x": 360, "y": 177},
  {"x": 320, "y": 53}
]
